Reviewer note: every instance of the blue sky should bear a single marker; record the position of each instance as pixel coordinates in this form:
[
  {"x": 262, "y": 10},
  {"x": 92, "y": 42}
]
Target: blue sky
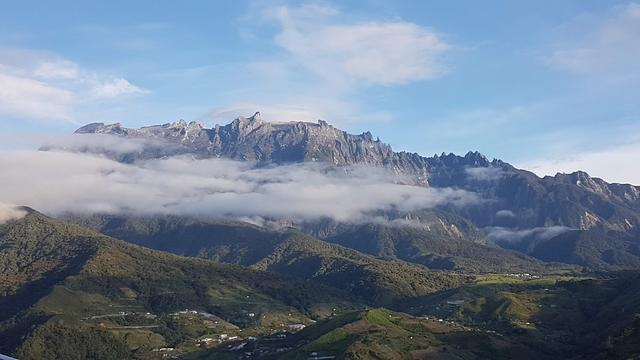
[{"x": 551, "y": 86}]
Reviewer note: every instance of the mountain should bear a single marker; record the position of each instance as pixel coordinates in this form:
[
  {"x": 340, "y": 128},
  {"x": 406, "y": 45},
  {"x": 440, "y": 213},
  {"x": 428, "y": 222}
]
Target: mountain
[
  {"x": 596, "y": 249},
  {"x": 439, "y": 240},
  {"x": 488, "y": 279},
  {"x": 68, "y": 292},
  {"x": 521, "y": 199},
  {"x": 288, "y": 251},
  {"x": 376, "y": 281},
  {"x": 265, "y": 142},
  {"x": 513, "y": 199}
]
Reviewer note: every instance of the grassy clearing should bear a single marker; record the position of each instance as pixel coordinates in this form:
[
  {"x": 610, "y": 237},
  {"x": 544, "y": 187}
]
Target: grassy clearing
[{"x": 333, "y": 340}]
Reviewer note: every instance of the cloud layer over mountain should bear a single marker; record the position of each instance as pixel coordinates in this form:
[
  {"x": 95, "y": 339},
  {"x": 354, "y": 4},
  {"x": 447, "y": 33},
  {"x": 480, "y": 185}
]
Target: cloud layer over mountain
[
  {"x": 58, "y": 182},
  {"x": 10, "y": 212}
]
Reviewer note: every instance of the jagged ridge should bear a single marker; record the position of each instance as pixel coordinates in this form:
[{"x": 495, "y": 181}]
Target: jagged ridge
[{"x": 574, "y": 200}]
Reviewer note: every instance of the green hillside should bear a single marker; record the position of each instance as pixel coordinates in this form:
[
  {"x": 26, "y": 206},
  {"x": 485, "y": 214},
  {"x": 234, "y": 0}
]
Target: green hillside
[
  {"x": 593, "y": 317},
  {"x": 499, "y": 317},
  {"x": 375, "y": 281},
  {"x": 384, "y": 334},
  {"x": 71, "y": 293},
  {"x": 443, "y": 241}
]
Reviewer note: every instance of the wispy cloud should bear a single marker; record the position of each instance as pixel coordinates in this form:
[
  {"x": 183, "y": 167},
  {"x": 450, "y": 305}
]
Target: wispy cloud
[
  {"x": 114, "y": 87},
  {"x": 32, "y": 98},
  {"x": 358, "y": 53},
  {"x": 40, "y": 85},
  {"x": 10, "y": 212},
  {"x": 484, "y": 173},
  {"x": 525, "y": 240},
  {"x": 327, "y": 60},
  {"x": 269, "y": 112},
  {"x": 614, "y": 164},
  {"x": 56, "y": 68},
  {"x": 601, "y": 45},
  {"x": 505, "y": 214},
  {"x": 505, "y": 235}
]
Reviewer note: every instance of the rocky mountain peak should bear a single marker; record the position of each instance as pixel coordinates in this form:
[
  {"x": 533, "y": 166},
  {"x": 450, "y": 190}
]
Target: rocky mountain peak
[
  {"x": 178, "y": 124},
  {"x": 89, "y": 128},
  {"x": 101, "y": 128},
  {"x": 323, "y": 124},
  {"x": 578, "y": 178},
  {"x": 182, "y": 124},
  {"x": 252, "y": 138},
  {"x": 475, "y": 158},
  {"x": 256, "y": 117},
  {"x": 366, "y": 136},
  {"x": 471, "y": 159}
]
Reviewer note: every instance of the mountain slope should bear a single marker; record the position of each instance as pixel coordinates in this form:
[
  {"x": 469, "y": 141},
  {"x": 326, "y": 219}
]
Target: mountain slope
[
  {"x": 440, "y": 242},
  {"x": 378, "y": 282},
  {"x": 605, "y": 250},
  {"x": 520, "y": 199},
  {"x": 60, "y": 277},
  {"x": 288, "y": 252},
  {"x": 434, "y": 239}
]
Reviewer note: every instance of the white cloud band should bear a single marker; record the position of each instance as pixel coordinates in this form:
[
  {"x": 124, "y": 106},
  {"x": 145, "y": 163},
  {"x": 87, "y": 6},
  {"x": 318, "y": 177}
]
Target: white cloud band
[{"x": 57, "y": 182}]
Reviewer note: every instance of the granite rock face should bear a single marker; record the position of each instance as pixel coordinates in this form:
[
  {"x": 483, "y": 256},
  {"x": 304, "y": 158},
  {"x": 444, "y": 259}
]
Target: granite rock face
[
  {"x": 515, "y": 198},
  {"x": 253, "y": 139}
]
